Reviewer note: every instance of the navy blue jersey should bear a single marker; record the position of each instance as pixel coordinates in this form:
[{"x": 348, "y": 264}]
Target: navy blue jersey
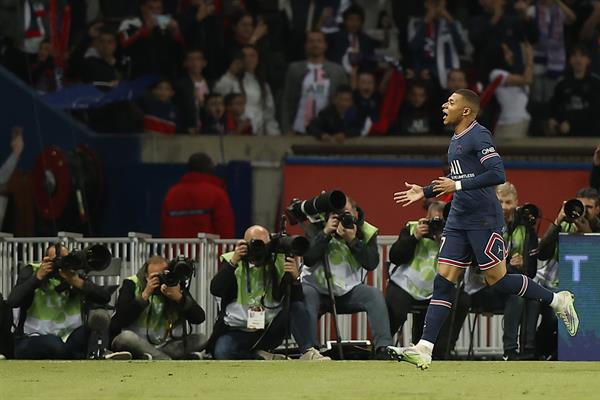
[{"x": 476, "y": 164}]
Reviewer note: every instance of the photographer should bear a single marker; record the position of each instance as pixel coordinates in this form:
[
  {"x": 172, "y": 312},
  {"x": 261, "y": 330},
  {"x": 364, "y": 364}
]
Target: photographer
[
  {"x": 252, "y": 284},
  {"x": 413, "y": 266},
  {"x": 55, "y": 321},
  {"x": 569, "y": 221},
  {"x": 521, "y": 244},
  {"x": 347, "y": 251},
  {"x": 150, "y": 317},
  {"x": 6, "y": 337}
]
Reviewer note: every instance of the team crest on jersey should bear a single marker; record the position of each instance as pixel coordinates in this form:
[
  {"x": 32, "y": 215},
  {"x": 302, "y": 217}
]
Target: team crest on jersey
[{"x": 459, "y": 149}]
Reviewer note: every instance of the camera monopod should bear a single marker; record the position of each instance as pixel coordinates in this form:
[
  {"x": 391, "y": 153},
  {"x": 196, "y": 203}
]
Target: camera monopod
[{"x": 329, "y": 279}]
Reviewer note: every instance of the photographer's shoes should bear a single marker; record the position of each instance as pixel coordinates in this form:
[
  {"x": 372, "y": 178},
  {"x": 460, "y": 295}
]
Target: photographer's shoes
[
  {"x": 265, "y": 355},
  {"x": 416, "y": 355},
  {"x": 565, "y": 310},
  {"x": 313, "y": 354},
  {"x": 117, "y": 355}
]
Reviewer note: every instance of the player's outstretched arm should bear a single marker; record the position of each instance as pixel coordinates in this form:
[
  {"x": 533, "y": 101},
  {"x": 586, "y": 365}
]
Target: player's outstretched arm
[{"x": 407, "y": 197}]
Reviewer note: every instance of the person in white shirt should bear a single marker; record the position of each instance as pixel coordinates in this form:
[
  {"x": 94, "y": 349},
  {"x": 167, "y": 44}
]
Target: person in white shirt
[{"x": 260, "y": 107}]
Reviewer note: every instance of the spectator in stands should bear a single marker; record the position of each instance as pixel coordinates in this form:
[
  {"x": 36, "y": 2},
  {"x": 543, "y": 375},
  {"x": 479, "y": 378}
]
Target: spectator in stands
[
  {"x": 574, "y": 106},
  {"x": 100, "y": 64},
  {"x": 590, "y": 35},
  {"x": 501, "y": 24},
  {"x": 512, "y": 92},
  {"x": 198, "y": 203},
  {"x": 416, "y": 116},
  {"x": 54, "y": 303},
  {"x": 151, "y": 318},
  {"x": 521, "y": 244},
  {"x": 8, "y": 167},
  {"x": 350, "y": 46},
  {"x": 338, "y": 120},
  {"x": 191, "y": 91},
  {"x": 43, "y": 70},
  {"x": 549, "y": 52},
  {"x": 236, "y": 119},
  {"x": 308, "y": 85},
  {"x": 436, "y": 41},
  {"x": 413, "y": 264},
  {"x": 349, "y": 253},
  {"x": 160, "y": 113},
  {"x": 367, "y": 100},
  {"x": 153, "y": 41},
  {"x": 6, "y": 326},
  {"x": 260, "y": 107},
  {"x": 595, "y": 174},
  {"x": 230, "y": 81},
  {"x": 303, "y": 17},
  {"x": 202, "y": 29},
  {"x": 238, "y": 336},
  {"x": 214, "y": 115}
]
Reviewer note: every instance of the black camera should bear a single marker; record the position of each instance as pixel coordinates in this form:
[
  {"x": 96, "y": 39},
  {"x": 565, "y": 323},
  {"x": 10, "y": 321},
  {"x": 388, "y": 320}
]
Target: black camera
[
  {"x": 347, "y": 220},
  {"x": 178, "y": 271},
  {"x": 326, "y": 202},
  {"x": 528, "y": 214},
  {"x": 574, "y": 209},
  {"x": 436, "y": 227},
  {"x": 290, "y": 245},
  {"x": 92, "y": 258}
]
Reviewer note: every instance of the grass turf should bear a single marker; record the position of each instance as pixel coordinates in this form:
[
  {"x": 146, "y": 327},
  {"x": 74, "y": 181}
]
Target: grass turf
[{"x": 298, "y": 380}]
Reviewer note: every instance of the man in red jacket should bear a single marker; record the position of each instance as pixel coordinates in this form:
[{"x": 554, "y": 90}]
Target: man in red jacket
[{"x": 197, "y": 203}]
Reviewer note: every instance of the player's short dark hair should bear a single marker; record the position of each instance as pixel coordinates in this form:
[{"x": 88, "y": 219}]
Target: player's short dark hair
[
  {"x": 471, "y": 98},
  {"x": 436, "y": 205},
  {"x": 589, "y": 193},
  {"x": 212, "y": 95},
  {"x": 201, "y": 162}
]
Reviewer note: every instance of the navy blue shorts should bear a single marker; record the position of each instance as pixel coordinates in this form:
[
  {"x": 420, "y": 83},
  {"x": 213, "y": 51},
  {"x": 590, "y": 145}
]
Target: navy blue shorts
[{"x": 459, "y": 247}]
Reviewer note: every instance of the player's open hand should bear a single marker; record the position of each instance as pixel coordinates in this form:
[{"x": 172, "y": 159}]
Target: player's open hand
[
  {"x": 407, "y": 197},
  {"x": 443, "y": 185}
]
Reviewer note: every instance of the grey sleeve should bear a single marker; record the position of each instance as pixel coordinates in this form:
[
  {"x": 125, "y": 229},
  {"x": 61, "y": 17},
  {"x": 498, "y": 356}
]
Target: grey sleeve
[
  {"x": 289, "y": 99},
  {"x": 8, "y": 168}
]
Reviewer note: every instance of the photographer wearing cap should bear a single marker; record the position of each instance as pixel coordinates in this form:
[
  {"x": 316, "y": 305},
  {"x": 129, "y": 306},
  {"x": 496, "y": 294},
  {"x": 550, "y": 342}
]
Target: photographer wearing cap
[
  {"x": 55, "y": 319},
  {"x": 573, "y": 217},
  {"x": 256, "y": 284},
  {"x": 152, "y": 313},
  {"x": 347, "y": 244},
  {"x": 521, "y": 244},
  {"x": 413, "y": 264}
]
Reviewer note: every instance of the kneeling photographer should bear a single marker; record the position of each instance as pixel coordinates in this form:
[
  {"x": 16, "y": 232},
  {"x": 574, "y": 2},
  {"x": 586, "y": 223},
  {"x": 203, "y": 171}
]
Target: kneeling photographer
[
  {"x": 578, "y": 215},
  {"x": 55, "y": 318},
  {"x": 153, "y": 309},
  {"x": 261, "y": 299},
  {"x": 346, "y": 245},
  {"x": 413, "y": 265}
]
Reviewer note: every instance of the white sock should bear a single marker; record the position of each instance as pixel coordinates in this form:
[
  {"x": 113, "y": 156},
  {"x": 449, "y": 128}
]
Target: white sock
[
  {"x": 554, "y": 302},
  {"x": 426, "y": 344}
]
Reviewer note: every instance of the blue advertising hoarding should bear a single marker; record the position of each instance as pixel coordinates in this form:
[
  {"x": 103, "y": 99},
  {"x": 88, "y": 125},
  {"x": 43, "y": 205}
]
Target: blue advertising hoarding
[{"x": 579, "y": 272}]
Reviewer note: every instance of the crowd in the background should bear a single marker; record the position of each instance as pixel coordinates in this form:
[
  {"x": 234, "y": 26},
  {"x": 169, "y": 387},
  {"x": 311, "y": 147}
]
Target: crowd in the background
[{"x": 330, "y": 68}]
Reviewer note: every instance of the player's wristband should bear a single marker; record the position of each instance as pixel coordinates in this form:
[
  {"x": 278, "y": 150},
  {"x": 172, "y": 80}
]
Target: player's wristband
[{"x": 457, "y": 185}]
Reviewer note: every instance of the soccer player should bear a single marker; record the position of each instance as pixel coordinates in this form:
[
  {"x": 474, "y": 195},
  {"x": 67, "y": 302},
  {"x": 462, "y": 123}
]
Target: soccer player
[{"x": 474, "y": 227}]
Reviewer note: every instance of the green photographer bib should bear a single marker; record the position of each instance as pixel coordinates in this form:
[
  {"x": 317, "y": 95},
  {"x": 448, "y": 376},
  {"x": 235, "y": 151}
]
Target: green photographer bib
[
  {"x": 346, "y": 271},
  {"x": 51, "y": 312},
  {"x": 156, "y": 322},
  {"x": 253, "y": 284},
  {"x": 416, "y": 277}
]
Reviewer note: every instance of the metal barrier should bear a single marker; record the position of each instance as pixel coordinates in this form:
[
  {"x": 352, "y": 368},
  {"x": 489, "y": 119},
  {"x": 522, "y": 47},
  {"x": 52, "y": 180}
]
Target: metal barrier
[{"x": 135, "y": 249}]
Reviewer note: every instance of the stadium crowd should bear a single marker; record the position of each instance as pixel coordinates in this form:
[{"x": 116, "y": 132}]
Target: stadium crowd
[{"x": 329, "y": 68}]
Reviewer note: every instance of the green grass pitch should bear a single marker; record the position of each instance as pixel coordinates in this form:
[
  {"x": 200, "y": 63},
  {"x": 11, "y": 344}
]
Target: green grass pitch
[{"x": 97, "y": 380}]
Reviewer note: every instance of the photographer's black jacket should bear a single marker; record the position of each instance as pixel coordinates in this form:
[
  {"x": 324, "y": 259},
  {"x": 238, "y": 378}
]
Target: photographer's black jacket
[
  {"x": 547, "y": 246},
  {"x": 129, "y": 307},
  {"x": 403, "y": 249},
  {"x": 21, "y": 296},
  {"x": 366, "y": 254},
  {"x": 224, "y": 285}
]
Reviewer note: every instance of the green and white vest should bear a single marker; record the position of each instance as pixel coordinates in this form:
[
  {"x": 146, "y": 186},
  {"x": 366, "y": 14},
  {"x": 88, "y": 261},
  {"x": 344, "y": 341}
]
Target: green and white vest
[
  {"x": 156, "y": 322},
  {"x": 346, "y": 271},
  {"x": 253, "y": 283},
  {"x": 547, "y": 275},
  {"x": 416, "y": 277},
  {"x": 53, "y": 313}
]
